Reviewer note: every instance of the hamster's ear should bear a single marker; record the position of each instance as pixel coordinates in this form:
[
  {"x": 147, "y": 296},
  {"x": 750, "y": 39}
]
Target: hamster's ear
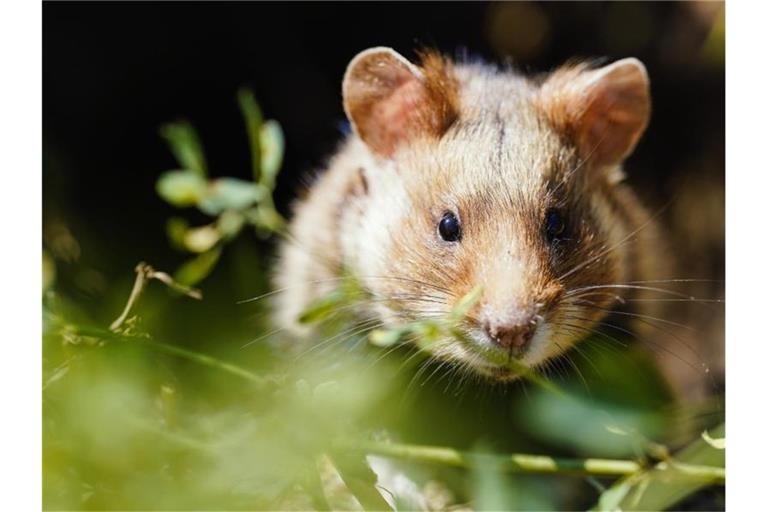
[
  {"x": 390, "y": 101},
  {"x": 604, "y": 111}
]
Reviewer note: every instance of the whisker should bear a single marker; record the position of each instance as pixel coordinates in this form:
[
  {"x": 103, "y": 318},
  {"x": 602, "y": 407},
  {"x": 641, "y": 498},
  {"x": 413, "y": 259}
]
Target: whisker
[{"x": 617, "y": 245}]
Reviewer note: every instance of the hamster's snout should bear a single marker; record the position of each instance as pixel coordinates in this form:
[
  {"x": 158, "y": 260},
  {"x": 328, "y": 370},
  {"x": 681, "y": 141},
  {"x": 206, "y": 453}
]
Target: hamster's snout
[{"x": 512, "y": 334}]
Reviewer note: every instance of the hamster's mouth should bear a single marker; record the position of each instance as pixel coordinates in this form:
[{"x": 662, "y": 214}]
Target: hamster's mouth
[{"x": 488, "y": 359}]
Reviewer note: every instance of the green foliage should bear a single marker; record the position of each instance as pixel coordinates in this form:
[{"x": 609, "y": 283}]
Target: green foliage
[
  {"x": 232, "y": 202},
  {"x": 186, "y": 405},
  {"x": 185, "y": 144}
]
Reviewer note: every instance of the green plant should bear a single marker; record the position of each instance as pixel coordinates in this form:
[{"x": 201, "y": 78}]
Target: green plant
[
  {"x": 144, "y": 415},
  {"x": 232, "y": 203}
]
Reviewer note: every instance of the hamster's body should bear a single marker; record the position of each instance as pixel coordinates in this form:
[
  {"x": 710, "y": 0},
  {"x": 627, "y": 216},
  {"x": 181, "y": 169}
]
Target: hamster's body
[{"x": 460, "y": 176}]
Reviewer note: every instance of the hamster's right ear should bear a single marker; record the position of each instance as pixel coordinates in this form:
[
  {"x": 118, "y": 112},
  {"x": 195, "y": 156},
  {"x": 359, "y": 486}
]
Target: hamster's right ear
[
  {"x": 604, "y": 110},
  {"x": 390, "y": 101}
]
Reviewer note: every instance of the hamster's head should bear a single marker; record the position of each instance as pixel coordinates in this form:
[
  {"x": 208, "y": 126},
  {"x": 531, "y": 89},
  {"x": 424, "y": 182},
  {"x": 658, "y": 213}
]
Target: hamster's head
[{"x": 479, "y": 179}]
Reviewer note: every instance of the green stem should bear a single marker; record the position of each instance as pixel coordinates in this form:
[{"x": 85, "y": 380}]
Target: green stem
[
  {"x": 534, "y": 463},
  {"x": 183, "y": 353}
]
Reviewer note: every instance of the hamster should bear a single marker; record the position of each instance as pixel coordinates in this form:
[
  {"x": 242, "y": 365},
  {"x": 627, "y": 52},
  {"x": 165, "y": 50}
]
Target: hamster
[{"x": 462, "y": 176}]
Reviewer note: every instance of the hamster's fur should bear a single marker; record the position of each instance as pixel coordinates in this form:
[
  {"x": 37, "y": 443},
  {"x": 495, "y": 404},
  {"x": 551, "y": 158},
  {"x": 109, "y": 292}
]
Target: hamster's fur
[{"x": 507, "y": 156}]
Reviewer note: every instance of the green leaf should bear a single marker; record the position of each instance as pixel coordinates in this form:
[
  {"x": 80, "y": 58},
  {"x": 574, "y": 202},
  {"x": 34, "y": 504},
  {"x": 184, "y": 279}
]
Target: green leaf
[
  {"x": 386, "y": 337},
  {"x": 662, "y": 487},
  {"x": 229, "y": 223},
  {"x": 322, "y": 308},
  {"x": 596, "y": 427},
  {"x": 253, "y": 119},
  {"x": 198, "y": 268},
  {"x": 716, "y": 443},
  {"x": 49, "y": 271},
  {"x": 272, "y": 150},
  {"x": 185, "y": 144},
  {"x": 230, "y": 194},
  {"x": 201, "y": 239},
  {"x": 176, "y": 229},
  {"x": 610, "y": 500},
  {"x": 464, "y": 304},
  {"x": 181, "y": 188},
  {"x": 491, "y": 488}
]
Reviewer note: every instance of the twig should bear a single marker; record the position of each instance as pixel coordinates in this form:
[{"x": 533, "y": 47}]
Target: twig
[
  {"x": 144, "y": 273},
  {"x": 535, "y": 463}
]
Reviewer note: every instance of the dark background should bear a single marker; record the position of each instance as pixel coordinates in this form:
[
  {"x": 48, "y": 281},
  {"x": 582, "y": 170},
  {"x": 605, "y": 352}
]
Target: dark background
[{"x": 113, "y": 73}]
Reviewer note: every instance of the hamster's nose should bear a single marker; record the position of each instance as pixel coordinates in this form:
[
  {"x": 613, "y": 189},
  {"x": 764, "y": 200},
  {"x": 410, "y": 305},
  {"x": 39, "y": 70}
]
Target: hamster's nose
[{"x": 514, "y": 336}]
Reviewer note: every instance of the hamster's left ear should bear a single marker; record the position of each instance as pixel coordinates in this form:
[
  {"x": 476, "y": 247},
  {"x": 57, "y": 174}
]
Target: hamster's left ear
[
  {"x": 391, "y": 101},
  {"x": 603, "y": 111}
]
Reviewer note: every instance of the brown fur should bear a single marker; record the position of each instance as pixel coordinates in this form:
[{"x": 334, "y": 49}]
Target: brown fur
[{"x": 498, "y": 150}]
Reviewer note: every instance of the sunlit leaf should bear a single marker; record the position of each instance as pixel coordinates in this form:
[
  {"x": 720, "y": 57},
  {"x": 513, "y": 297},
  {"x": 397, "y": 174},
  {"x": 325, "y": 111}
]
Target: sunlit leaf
[
  {"x": 322, "y": 308},
  {"x": 185, "y": 144},
  {"x": 385, "y": 337},
  {"x": 272, "y": 149},
  {"x": 201, "y": 239},
  {"x": 662, "y": 487},
  {"x": 198, "y": 268},
  {"x": 229, "y": 223},
  {"x": 718, "y": 444},
  {"x": 230, "y": 194},
  {"x": 181, "y": 188},
  {"x": 611, "y": 499},
  {"x": 464, "y": 304},
  {"x": 267, "y": 218}
]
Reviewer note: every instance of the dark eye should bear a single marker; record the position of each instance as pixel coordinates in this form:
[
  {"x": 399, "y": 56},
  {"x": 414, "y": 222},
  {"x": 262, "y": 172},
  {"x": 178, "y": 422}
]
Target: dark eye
[
  {"x": 554, "y": 224},
  {"x": 449, "y": 228}
]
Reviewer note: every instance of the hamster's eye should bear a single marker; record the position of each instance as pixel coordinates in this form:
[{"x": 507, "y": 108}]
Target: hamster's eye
[
  {"x": 449, "y": 228},
  {"x": 554, "y": 224}
]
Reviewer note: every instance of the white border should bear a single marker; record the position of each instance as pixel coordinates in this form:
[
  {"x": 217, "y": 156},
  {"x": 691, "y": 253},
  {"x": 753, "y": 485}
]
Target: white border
[
  {"x": 746, "y": 253},
  {"x": 747, "y": 257},
  {"x": 20, "y": 291}
]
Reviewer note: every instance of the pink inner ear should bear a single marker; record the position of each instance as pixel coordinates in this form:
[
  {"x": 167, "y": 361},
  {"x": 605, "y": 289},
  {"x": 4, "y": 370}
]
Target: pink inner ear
[
  {"x": 397, "y": 116},
  {"x": 614, "y": 121},
  {"x": 604, "y": 110}
]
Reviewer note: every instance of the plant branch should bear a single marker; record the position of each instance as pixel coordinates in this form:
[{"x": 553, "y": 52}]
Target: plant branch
[
  {"x": 144, "y": 273},
  {"x": 183, "y": 353},
  {"x": 536, "y": 463}
]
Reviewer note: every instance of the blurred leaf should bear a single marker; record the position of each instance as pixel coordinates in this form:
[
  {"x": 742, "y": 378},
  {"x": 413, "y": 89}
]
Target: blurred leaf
[
  {"x": 464, "y": 304},
  {"x": 49, "y": 271},
  {"x": 595, "y": 428},
  {"x": 360, "y": 480},
  {"x": 229, "y": 223},
  {"x": 610, "y": 499},
  {"x": 713, "y": 50},
  {"x": 253, "y": 119},
  {"x": 198, "y": 268},
  {"x": 661, "y": 487},
  {"x": 176, "y": 229},
  {"x": 266, "y": 218},
  {"x": 181, "y": 188},
  {"x": 185, "y": 144},
  {"x": 385, "y": 337},
  {"x": 718, "y": 444},
  {"x": 322, "y": 308},
  {"x": 272, "y": 150},
  {"x": 201, "y": 239},
  {"x": 491, "y": 489},
  {"x": 230, "y": 194}
]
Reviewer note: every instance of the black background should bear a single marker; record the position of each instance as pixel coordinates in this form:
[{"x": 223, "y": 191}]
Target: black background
[{"x": 113, "y": 73}]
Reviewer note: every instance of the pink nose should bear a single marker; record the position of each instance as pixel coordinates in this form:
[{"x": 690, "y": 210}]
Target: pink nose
[{"x": 514, "y": 337}]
